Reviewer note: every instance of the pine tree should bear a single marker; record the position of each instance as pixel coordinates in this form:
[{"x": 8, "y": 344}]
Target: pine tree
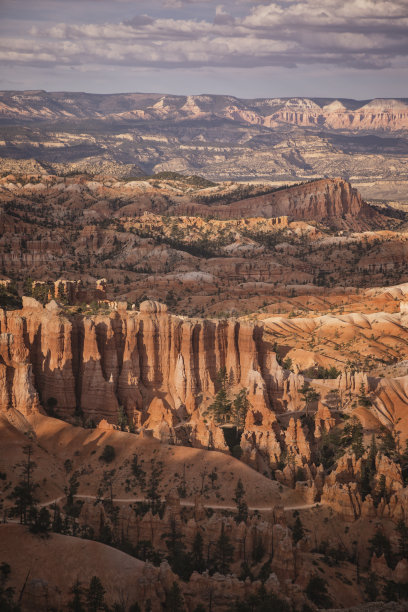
[
  {"x": 371, "y": 587},
  {"x": 95, "y": 595},
  {"x": 310, "y": 395},
  {"x": 363, "y": 400},
  {"x": 240, "y": 407},
  {"x": 221, "y": 379},
  {"x": 220, "y": 409},
  {"x": 23, "y": 492},
  {"x": 297, "y": 531},
  {"x": 197, "y": 553},
  {"x": 39, "y": 520},
  {"x": 6, "y": 592},
  {"x": 258, "y": 548},
  {"x": 177, "y": 558},
  {"x": 153, "y": 486},
  {"x": 239, "y": 499},
  {"x": 372, "y": 455},
  {"x": 380, "y": 545},
  {"x": 174, "y": 599},
  {"x": 57, "y": 524},
  {"x": 123, "y": 422},
  {"x": 76, "y": 603},
  {"x": 224, "y": 552}
]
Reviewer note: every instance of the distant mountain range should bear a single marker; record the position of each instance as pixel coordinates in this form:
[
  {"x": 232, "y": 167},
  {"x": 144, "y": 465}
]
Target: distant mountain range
[
  {"x": 219, "y": 137},
  {"x": 337, "y": 114}
]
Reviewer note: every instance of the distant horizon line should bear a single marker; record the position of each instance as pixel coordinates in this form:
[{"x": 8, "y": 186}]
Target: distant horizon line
[{"x": 215, "y": 95}]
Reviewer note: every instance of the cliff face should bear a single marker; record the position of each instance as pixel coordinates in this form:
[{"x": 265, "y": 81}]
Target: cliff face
[
  {"x": 129, "y": 359},
  {"x": 17, "y": 388},
  {"x": 381, "y": 115},
  {"x": 318, "y": 200},
  {"x": 377, "y": 114},
  {"x": 163, "y": 369}
]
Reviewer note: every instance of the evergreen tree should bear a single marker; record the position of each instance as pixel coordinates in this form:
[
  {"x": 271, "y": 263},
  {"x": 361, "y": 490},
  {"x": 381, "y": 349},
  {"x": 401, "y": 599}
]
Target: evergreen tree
[
  {"x": 261, "y": 601},
  {"x": 381, "y": 492},
  {"x": 224, "y": 552},
  {"x": 220, "y": 409},
  {"x": 95, "y": 595},
  {"x": 240, "y": 407},
  {"x": 371, "y": 587},
  {"x": 310, "y": 395},
  {"x": 353, "y": 436},
  {"x": 239, "y": 499},
  {"x": 402, "y": 539},
  {"x": 404, "y": 463},
  {"x": 174, "y": 599},
  {"x": 144, "y": 550},
  {"x": 51, "y": 405},
  {"x": 197, "y": 553},
  {"x": 297, "y": 531},
  {"x": 123, "y": 422},
  {"x": 153, "y": 486},
  {"x": 178, "y": 560},
  {"x": 316, "y": 591},
  {"x": 57, "y": 524},
  {"x": 40, "y": 521},
  {"x": 6, "y": 593},
  {"x": 387, "y": 444},
  {"x": 108, "y": 454},
  {"x": 365, "y": 481},
  {"x": 222, "y": 378},
  {"x": 23, "y": 492},
  {"x": 76, "y": 603},
  {"x": 71, "y": 507},
  {"x": 138, "y": 472},
  {"x": 380, "y": 545},
  {"x": 372, "y": 455},
  {"x": 258, "y": 548},
  {"x": 363, "y": 400}
]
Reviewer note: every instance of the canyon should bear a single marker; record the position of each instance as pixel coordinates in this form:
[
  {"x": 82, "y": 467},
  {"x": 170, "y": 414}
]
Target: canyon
[
  {"x": 203, "y": 383},
  {"x": 279, "y": 140},
  {"x": 67, "y": 378}
]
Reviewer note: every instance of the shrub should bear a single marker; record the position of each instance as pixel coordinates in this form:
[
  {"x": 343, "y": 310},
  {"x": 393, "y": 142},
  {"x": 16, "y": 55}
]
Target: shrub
[{"x": 108, "y": 454}]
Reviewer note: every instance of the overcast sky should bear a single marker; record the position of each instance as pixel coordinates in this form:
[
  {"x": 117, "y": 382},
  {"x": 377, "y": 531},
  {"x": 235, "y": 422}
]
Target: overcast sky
[{"x": 248, "y": 48}]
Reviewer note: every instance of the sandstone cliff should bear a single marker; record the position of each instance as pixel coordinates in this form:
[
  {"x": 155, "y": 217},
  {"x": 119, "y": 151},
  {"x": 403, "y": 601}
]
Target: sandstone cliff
[
  {"x": 322, "y": 200},
  {"x": 163, "y": 370},
  {"x": 150, "y": 362},
  {"x": 374, "y": 115}
]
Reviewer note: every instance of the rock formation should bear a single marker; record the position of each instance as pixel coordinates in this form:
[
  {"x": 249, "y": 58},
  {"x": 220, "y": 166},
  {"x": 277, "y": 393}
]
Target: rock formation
[
  {"x": 147, "y": 361},
  {"x": 318, "y": 200}
]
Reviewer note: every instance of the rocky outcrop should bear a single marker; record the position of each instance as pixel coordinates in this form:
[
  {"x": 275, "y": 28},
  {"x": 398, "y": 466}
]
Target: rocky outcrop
[
  {"x": 152, "y": 363},
  {"x": 296, "y": 442},
  {"x": 317, "y": 200},
  {"x": 17, "y": 390}
]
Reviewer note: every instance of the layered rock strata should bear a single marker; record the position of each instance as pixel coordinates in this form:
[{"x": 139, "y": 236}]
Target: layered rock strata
[{"x": 147, "y": 361}]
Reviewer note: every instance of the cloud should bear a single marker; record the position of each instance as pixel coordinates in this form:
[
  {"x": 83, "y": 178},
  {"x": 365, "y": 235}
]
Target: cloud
[{"x": 355, "y": 33}]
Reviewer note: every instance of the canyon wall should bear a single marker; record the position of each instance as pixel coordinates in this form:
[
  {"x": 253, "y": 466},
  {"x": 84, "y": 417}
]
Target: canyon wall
[
  {"x": 162, "y": 369},
  {"x": 325, "y": 199},
  {"x": 373, "y": 115},
  {"x": 147, "y": 361}
]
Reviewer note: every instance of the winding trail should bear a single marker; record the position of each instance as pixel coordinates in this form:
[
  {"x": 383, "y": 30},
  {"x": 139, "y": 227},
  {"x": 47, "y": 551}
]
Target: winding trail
[{"x": 190, "y": 504}]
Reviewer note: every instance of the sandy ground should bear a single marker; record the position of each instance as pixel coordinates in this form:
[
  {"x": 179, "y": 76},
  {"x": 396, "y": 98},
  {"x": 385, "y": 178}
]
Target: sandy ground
[
  {"x": 55, "y": 442},
  {"x": 52, "y": 565}
]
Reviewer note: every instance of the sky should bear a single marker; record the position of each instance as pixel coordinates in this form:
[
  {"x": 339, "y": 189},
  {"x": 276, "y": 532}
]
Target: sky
[{"x": 246, "y": 48}]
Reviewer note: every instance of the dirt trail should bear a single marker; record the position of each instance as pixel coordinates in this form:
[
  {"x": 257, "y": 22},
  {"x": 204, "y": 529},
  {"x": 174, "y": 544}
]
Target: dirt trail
[{"x": 132, "y": 500}]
